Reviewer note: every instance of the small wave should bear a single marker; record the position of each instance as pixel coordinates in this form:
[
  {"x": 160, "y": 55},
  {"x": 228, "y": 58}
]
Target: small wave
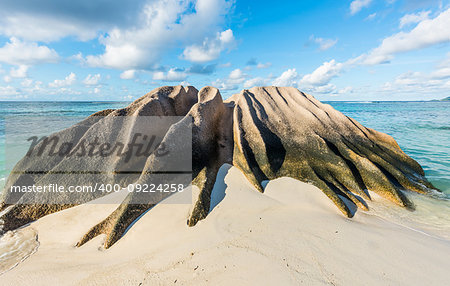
[
  {"x": 16, "y": 246},
  {"x": 431, "y": 214},
  {"x": 443, "y": 127}
]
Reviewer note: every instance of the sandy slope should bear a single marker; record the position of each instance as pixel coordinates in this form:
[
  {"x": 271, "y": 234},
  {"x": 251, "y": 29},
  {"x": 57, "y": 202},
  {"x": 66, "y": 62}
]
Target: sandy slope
[{"x": 292, "y": 234}]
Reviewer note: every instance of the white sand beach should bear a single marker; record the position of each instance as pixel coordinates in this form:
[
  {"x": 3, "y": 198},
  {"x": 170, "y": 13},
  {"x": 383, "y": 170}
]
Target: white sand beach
[{"x": 290, "y": 235}]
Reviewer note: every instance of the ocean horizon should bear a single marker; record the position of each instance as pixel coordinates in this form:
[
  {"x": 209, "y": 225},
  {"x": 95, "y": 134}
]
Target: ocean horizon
[{"x": 421, "y": 128}]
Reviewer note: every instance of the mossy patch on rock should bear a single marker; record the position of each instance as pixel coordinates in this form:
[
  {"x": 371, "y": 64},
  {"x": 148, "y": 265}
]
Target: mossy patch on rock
[{"x": 267, "y": 132}]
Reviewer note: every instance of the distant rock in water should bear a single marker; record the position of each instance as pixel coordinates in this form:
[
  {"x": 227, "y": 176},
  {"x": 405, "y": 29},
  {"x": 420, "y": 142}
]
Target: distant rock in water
[{"x": 267, "y": 132}]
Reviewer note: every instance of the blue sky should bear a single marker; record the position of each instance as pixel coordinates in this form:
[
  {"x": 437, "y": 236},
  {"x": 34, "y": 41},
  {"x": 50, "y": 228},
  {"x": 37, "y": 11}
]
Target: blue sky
[{"x": 334, "y": 50}]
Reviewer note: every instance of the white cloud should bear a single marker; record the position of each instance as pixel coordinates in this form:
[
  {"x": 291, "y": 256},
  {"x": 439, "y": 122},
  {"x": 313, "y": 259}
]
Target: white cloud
[
  {"x": 428, "y": 32},
  {"x": 210, "y": 49},
  {"x": 19, "y": 72},
  {"x": 7, "y": 79},
  {"x": 346, "y": 90},
  {"x": 257, "y": 81},
  {"x": 263, "y": 66},
  {"x": 324, "y": 44},
  {"x": 435, "y": 84},
  {"x": 134, "y": 36},
  {"x": 6, "y": 91},
  {"x": 16, "y": 52},
  {"x": 371, "y": 17},
  {"x": 96, "y": 90},
  {"x": 442, "y": 71},
  {"x": 92, "y": 79},
  {"x": 324, "y": 89},
  {"x": 418, "y": 83},
  {"x": 232, "y": 82},
  {"x": 68, "y": 80},
  {"x": 171, "y": 75},
  {"x": 323, "y": 74},
  {"x": 50, "y": 20},
  {"x": 287, "y": 78},
  {"x": 224, "y": 85},
  {"x": 237, "y": 74},
  {"x": 26, "y": 82},
  {"x": 128, "y": 74},
  {"x": 43, "y": 28},
  {"x": 414, "y": 18},
  {"x": 165, "y": 25},
  {"x": 358, "y": 5}
]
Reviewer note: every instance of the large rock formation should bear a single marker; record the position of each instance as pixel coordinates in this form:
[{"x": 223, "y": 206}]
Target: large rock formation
[{"x": 267, "y": 132}]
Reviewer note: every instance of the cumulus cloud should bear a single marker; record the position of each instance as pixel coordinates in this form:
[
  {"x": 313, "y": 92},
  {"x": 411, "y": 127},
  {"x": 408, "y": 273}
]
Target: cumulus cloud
[
  {"x": 134, "y": 35},
  {"x": 19, "y": 72},
  {"x": 163, "y": 25},
  {"x": 172, "y": 75},
  {"x": 442, "y": 71},
  {"x": 414, "y": 18},
  {"x": 324, "y": 89},
  {"x": 237, "y": 76},
  {"x": 417, "y": 82},
  {"x": 26, "y": 82},
  {"x": 232, "y": 82},
  {"x": 323, "y": 74},
  {"x": 7, "y": 91},
  {"x": 434, "y": 84},
  {"x": 92, "y": 79},
  {"x": 68, "y": 80},
  {"x": 428, "y": 32},
  {"x": 287, "y": 78},
  {"x": 257, "y": 81},
  {"x": 17, "y": 52},
  {"x": 324, "y": 44},
  {"x": 128, "y": 74},
  {"x": 50, "y": 20},
  {"x": 211, "y": 48},
  {"x": 345, "y": 90},
  {"x": 95, "y": 90},
  {"x": 358, "y": 5},
  {"x": 263, "y": 66},
  {"x": 224, "y": 85}
]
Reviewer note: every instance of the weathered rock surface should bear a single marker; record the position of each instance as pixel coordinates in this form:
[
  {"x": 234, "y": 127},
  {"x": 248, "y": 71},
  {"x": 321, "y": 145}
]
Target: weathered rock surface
[
  {"x": 284, "y": 132},
  {"x": 267, "y": 132}
]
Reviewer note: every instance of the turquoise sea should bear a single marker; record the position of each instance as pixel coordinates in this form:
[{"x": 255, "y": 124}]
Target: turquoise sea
[{"x": 422, "y": 130}]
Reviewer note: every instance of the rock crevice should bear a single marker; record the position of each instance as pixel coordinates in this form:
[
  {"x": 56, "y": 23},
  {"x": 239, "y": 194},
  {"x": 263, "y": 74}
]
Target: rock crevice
[{"x": 267, "y": 132}]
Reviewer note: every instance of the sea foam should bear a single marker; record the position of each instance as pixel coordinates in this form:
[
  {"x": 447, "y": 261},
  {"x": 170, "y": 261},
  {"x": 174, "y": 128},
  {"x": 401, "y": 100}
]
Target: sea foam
[{"x": 16, "y": 246}]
